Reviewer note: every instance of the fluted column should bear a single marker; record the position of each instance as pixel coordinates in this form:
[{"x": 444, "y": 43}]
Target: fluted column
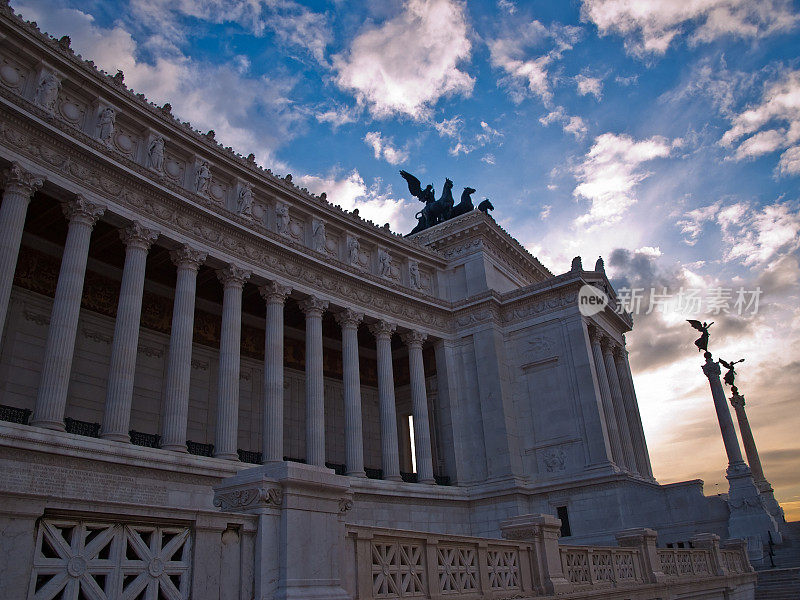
[
  {"x": 735, "y": 461},
  {"x": 18, "y": 187},
  {"x": 390, "y": 452},
  {"x": 272, "y": 437},
  {"x": 605, "y": 397},
  {"x": 119, "y": 394},
  {"x": 749, "y": 443},
  {"x": 60, "y": 346},
  {"x": 179, "y": 363},
  {"x": 619, "y": 407},
  {"x": 353, "y": 435},
  {"x": 419, "y": 407},
  {"x": 226, "y": 438},
  {"x": 315, "y": 385},
  {"x": 632, "y": 412}
]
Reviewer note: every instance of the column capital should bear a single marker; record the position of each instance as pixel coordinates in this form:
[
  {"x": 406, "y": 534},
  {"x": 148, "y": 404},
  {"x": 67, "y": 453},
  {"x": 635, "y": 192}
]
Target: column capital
[
  {"x": 313, "y": 306},
  {"x": 138, "y": 236},
  {"x": 595, "y": 335},
  {"x": 347, "y": 317},
  {"x": 82, "y": 210},
  {"x": 23, "y": 181},
  {"x": 274, "y": 291},
  {"x": 233, "y": 276},
  {"x": 188, "y": 257},
  {"x": 382, "y": 329},
  {"x": 414, "y": 339},
  {"x": 711, "y": 368},
  {"x": 737, "y": 400}
]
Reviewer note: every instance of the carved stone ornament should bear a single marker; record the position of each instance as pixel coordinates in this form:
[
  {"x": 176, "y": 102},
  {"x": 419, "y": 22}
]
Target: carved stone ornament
[
  {"x": 244, "y": 207},
  {"x": 242, "y": 499},
  {"x": 345, "y": 504},
  {"x": 233, "y": 276},
  {"x": 353, "y": 251},
  {"x": 186, "y": 257},
  {"x": 282, "y": 219},
  {"x": 138, "y": 236},
  {"x": 349, "y": 317},
  {"x": 155, "y": 154},
  {"x": 319, "y": 238},
  {"x": 47, "y": 91},
  {"x": 554, "y": 459},
  {"x": 313, "y": 306},
  {"x": 382, "y": 329},
  {"x": 202, "y": 179},
  {"x": 82, "y": 210},
  {"x": 106, "y": 125},
  {"x": 414, "y": 338},
  {"x": 17, "y": 179},
  {"x": 414, "y": 279},
  {"x": 275, "y": 292},
  {"x": 384, "y": 263},
  {"x": 521, "y": 533}
]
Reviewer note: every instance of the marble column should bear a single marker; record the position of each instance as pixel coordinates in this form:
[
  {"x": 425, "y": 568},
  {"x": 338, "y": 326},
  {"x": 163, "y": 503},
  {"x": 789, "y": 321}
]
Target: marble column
[
  {"x": 226, "y": 439},
  {"x": 119, "y": 393},
  {"x": 605, "y": 397},
  {"x": 353, "y": 434},
  {"x": 619, "y": 407},
  {"x": 272, "y": 437},
  {"x": 18, "y": 188},
  {"x": 179, "y": 362},
  {"x": 60, "y": 347},
  {"x": 735, "y": 461},
  {"x": 632, "y": 412},
  {"x": 390, "y": 449},
  {"x": 419, "y": 407},
  {"x": 751, "y": 451},
  {"x": 315, "y": 385}
]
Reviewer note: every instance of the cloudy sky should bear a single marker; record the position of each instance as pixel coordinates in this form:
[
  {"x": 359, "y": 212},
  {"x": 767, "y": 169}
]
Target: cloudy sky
[{"x": 662, "y": 135}]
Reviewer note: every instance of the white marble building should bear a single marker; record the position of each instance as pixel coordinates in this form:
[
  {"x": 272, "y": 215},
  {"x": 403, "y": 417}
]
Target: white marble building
[{"x": 174, "y": 315}]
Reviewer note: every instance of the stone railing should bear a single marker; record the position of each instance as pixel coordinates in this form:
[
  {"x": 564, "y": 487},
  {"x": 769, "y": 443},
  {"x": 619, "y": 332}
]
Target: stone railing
[
  {"x": 530, "y": 562},
  {"x": 397, "y": 564}
]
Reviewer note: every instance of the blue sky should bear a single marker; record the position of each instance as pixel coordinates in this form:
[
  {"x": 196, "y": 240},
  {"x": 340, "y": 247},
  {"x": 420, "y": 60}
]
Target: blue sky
[{"x": 663, "y": 135}]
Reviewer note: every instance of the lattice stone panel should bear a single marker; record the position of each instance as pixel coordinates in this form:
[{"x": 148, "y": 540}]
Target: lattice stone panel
[
  {"x": 602, "y": 566},
  {"x": 458, "y": 569},
  {"x": 398, "y": 570},
  {"x": 623, "y": 567},
  {"x": 684, "y": 562},
  {"x": 503, "y": 569},
  {"x": 77, "y": 560},
  {"x": 700, "y": 563},
  {"x": 576, "y": 566},
  {"x": 668, "y": 566}
]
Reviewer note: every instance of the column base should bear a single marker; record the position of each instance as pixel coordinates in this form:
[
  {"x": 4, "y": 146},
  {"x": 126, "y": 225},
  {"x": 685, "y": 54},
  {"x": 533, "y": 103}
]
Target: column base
[
  {"x": 227, "y": 456},
  {"x": 749, "y": 518},
  {"x": 47, "y": 424},
  {"x": 175, "y": 448},
  {"x": 356, "y": 474},
  {"x": 392, "y": 478},
  {"x": 427, "y": 481},
  {"x": 116, "y": 437}
]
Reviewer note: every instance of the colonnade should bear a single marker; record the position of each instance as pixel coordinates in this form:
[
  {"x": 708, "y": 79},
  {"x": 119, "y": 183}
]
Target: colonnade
[
  {"x": 620, "y": 408},
  {"x": 82, "y": 214}
]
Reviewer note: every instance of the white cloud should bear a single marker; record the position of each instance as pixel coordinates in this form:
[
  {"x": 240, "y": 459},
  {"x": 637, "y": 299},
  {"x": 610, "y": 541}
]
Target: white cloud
[
  {"x": 778, "y": 113},
  {"x": 466, "y": 142},
  {"x": 384, "y": 148},
  {"x": 649, "y": 28},
  {"x": 405, "y": 65},
  {"x": 489, "y": 159},
  {"x": 590, "y": 85},
  {"x": 611, "y": 170},
  {"x": 525, "y": 74},
  {"x": 545, "y": 212},
  {"x": 507, "y": 6},
  {"x": 751, "y": 235},
  {"x": 373, "y": 202},
  {"x": 337, "y": 116},
  {"x": 570, "y": 124}
]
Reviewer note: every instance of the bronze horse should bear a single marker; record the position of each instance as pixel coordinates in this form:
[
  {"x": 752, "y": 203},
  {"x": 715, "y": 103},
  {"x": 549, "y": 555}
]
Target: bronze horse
[{"x": 465, "y": 205}]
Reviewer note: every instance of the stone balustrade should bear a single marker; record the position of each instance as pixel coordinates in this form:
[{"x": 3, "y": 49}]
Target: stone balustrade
[{"x": 396, "y": 564}]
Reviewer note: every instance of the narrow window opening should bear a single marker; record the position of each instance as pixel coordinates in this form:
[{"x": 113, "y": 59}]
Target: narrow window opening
[
  {"x": 563, "y": 514},
  {"x": 413, "y": 449}
]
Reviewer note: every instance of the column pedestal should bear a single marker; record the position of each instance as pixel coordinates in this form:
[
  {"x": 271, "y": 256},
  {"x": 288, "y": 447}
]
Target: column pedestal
[{"x": 301, "y": 511}]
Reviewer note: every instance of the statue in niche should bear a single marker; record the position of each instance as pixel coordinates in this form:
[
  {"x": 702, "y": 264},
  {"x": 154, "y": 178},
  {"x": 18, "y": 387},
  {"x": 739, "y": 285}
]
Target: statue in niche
[
  {"x": 47, "y": 92},
  {"x": 155, "y": 154},
  {"x": 702, "y": 341},
  {"x": 202, "y": 179},
  {"x": 413, "y": 275},
  {"x": 282, "y": 218},
  {"x": 385, "y": 263},
  {"x": 354, "y": 251},
  {"x": 318, "y": 236},
  {"x": 245, "y": 205},
  {"x": 730, "y": 376},
  {"x": 106, "y": 125}
]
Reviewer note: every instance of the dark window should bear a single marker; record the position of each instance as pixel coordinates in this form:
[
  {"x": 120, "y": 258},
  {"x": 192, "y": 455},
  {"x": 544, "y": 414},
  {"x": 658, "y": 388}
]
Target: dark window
[{"x": 561, "y": 513}]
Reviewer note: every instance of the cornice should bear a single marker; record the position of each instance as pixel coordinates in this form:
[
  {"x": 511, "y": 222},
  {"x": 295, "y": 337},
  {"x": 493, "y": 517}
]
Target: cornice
[{"x": 87, "y": 76}]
